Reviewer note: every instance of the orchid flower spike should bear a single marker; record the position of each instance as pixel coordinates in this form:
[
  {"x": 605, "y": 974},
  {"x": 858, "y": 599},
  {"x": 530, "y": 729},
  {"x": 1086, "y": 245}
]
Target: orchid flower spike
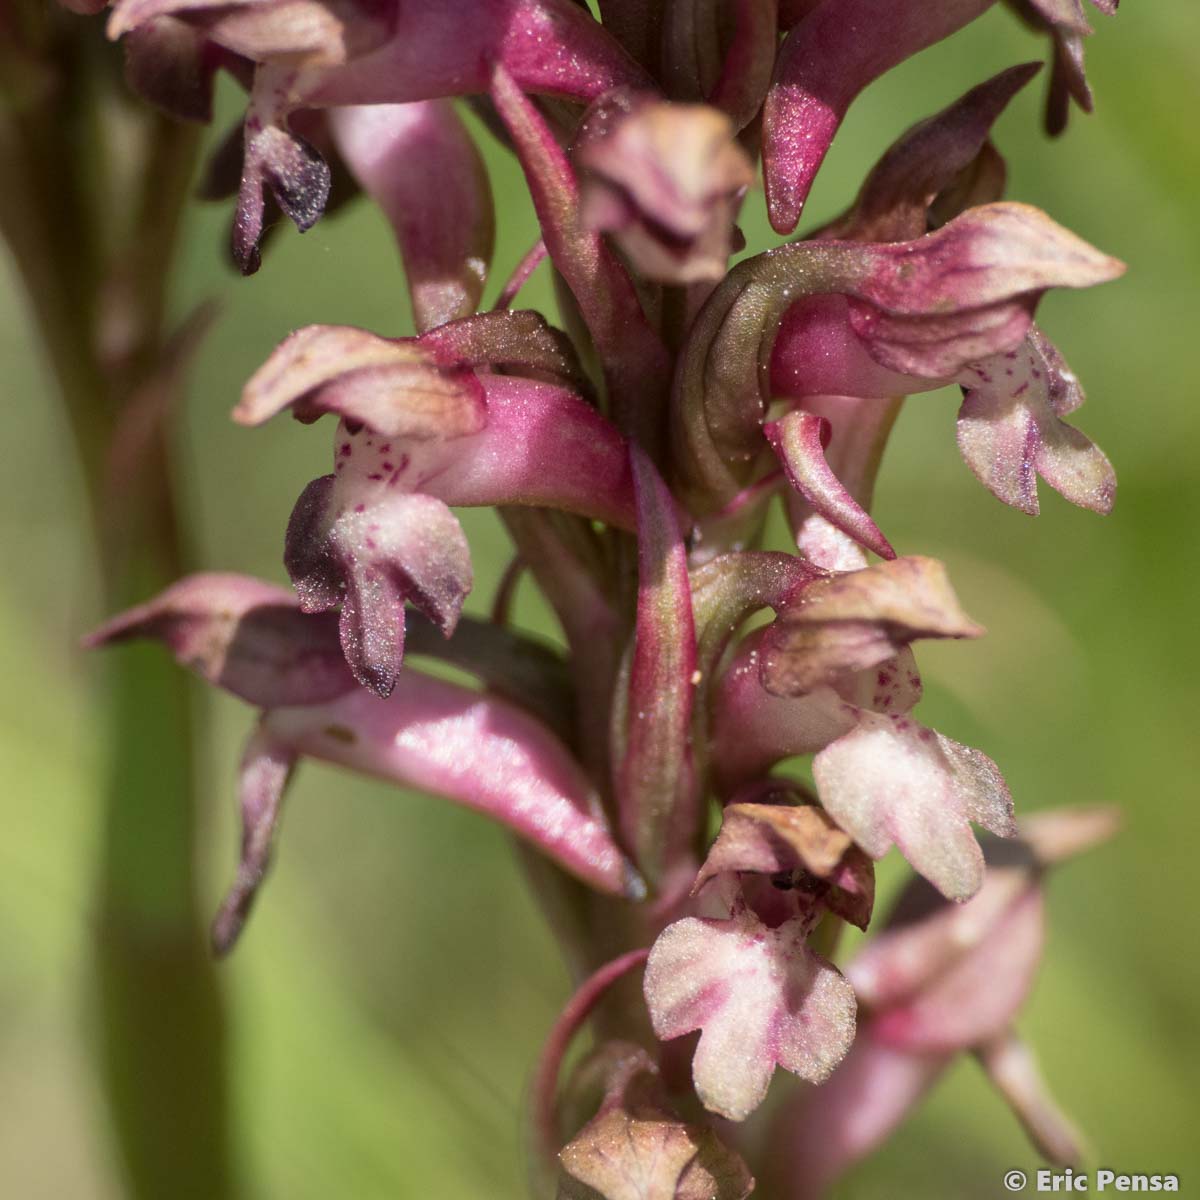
[{"x": 633, "y": 445}]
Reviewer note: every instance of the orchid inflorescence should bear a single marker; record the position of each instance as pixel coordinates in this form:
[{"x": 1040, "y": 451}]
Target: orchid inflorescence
[{"x": 633, "y": 460}]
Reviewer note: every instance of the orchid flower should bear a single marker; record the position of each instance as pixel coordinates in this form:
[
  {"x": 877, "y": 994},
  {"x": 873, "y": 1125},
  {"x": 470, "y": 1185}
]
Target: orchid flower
[
  {"x": 936, "y": 982},
  {"x": 634, "y": 455}
]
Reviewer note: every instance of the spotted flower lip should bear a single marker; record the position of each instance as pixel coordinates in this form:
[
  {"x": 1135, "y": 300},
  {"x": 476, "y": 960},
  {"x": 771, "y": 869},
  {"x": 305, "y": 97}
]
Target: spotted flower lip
[
  {"x": 422, "y": 429},
  {"x": 842, "y": 318}
]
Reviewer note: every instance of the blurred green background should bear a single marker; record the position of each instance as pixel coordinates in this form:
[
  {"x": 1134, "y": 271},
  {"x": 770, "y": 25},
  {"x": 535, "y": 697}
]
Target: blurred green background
[{"x": 395, "y": 983}]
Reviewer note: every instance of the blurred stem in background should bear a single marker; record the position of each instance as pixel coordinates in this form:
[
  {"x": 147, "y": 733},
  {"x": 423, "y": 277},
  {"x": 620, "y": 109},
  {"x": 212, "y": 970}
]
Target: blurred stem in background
[{"x": 90, "y": 208}]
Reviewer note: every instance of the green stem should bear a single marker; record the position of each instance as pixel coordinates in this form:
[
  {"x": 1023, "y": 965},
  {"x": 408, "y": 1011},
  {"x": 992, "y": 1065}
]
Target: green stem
[{"x": 161, "y": 1028}]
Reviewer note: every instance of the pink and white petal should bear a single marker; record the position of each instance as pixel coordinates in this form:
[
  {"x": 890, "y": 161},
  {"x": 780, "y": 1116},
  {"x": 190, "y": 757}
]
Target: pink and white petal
[
  {"x": 542, "y": 445},
  {"x": 890, "y": 781},
  {"x": 858, "y": 620},
  {"x": 753, "y": 730},
  {"x": 759, "y": 997},
  {"x": 1010, "y": 431},
  {"x": 397, "y": 387},
  {"x": 979, "y": 995}
]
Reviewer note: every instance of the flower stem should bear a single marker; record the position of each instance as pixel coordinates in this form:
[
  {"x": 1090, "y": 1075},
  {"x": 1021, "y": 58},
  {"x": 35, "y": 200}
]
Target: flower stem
[{"x": 98, "y": 306}]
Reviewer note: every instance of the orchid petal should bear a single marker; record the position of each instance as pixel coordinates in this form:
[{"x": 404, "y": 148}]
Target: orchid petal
[
  {"x": 784, "y": 838},
  {"x": 477, "y": 750},
  {"x": 992, "y": 264},
  {"x": 635, "y": 1148},
  {"x": 549, "y": 47},
  {"x": 820, "y": 1134},
  {"x": 370, "y": 560},
  {"x": 168, "y": 65},
  {"x": 1058, "y": 834},
  {"x": 397, "y": 387},
  {"x": 826, "y": 60},
  {"x": 919, "y": 310},
  {"x": 240, "y": 634},
  {"x": 977, "y": 997},
  {"x": 858, "y": 620},
  {"x": 933, "y": 158},
  {"x": 274, "y": 158},
  {"x": 418, "y": 162},
  {"x": 665, "y": 179},
  {"x": 759, "y": 997},
  {"x": 266, "y": 768},
  {"x": 310, "y": 32},
  {"x": 1010, "y": 432},
  {"x": 1013, "y": 1071},
  {"x": 797, "y": 439},
  {"x": 891, "y": 781},
  {"x": 420, "y": 52},
  {"x": 517, "y": 343},
  {"x": 893, "y": 687}
]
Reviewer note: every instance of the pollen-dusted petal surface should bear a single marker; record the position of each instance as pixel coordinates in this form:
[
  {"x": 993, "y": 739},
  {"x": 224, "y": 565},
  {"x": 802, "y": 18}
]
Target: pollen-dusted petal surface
[
  {"x": 891, "y": 781},
  {"x": 759, "y": 997},
  {"x": 1010, "y": 430}
]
